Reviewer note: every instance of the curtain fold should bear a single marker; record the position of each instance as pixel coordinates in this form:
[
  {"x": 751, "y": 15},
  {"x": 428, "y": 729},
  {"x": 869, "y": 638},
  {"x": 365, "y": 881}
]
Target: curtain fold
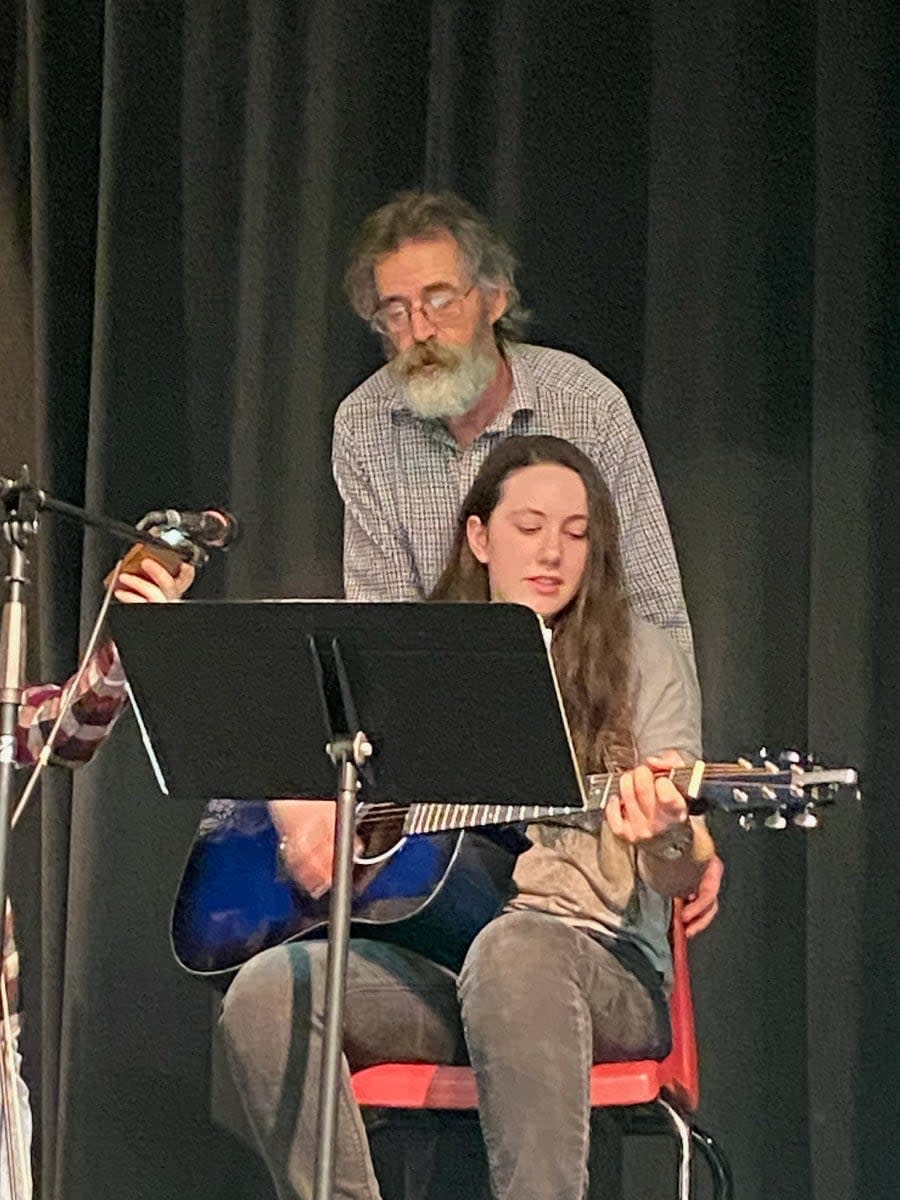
[{"x": 697, "y": 195}]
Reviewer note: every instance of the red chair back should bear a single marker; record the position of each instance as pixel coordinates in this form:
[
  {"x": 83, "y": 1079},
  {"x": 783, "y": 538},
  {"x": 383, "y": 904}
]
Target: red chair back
[{"x": 680, "y": 1070}]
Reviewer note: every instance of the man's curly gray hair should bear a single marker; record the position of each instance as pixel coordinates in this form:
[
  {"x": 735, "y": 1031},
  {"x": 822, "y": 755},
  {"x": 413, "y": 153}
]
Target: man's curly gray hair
[{"x": 488, "y": 258}]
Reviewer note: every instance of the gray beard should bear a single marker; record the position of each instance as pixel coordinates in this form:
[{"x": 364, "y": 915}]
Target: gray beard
[{"x": 451, "y": 390}]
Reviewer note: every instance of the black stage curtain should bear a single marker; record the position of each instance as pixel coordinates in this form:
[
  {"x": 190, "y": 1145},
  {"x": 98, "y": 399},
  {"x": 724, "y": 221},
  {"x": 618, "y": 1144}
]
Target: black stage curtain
[{"x": 698, "y": 193}]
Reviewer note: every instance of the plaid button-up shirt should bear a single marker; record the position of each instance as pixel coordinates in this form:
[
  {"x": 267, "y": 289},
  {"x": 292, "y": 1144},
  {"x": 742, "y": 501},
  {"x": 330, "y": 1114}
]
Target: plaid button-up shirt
[{"x": 403, "y": 479}]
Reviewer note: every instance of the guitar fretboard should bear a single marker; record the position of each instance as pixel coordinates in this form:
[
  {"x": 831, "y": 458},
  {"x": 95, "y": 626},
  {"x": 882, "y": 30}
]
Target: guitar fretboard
[{"x": 437, "y": 818}]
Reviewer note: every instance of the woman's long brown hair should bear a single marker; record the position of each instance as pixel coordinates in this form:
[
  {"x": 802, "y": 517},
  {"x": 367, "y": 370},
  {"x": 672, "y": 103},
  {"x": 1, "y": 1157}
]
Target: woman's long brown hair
[{"x": 592, "y": 636}]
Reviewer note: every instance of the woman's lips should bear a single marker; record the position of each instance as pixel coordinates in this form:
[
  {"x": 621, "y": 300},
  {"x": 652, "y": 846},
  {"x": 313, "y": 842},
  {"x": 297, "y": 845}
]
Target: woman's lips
[{"x": 545, "y": 585}]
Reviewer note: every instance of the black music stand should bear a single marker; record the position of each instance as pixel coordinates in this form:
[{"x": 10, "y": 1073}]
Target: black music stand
[{"x": 253, "y": 700}]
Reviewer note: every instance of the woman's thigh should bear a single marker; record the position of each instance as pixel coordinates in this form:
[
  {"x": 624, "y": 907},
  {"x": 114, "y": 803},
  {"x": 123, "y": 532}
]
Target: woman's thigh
[{"x": 542, "y": 975}]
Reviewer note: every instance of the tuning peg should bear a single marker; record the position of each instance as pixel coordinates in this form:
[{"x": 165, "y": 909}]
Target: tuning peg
[
  {"x": 740, "y": 796},
  {"x": 747, "y": 821},
  {"x": 806, "y": 819},
  {"x": 790, "y": 758},
  {"x": 776, "y": 820},
  {"x": 745, "y": 763},
  {"x": 772, "y": 767}
]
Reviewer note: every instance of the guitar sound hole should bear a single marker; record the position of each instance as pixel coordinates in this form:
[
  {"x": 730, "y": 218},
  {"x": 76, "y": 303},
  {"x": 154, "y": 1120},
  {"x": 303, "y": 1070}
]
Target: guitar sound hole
[{"x": 380, "y": 840}]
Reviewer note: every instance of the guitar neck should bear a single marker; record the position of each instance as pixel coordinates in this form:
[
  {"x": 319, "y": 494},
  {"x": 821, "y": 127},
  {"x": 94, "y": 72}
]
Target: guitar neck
[
  {"x": 599, "y": 789},
  {"x": 736, "y": 788}
]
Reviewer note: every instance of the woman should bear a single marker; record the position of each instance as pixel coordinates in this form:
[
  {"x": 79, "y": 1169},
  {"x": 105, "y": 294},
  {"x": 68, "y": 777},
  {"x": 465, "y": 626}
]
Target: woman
[{"x": 575, "y": 969}]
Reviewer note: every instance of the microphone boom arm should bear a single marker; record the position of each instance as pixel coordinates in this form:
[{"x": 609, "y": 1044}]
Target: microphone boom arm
[{"x": 18, "y": 495}]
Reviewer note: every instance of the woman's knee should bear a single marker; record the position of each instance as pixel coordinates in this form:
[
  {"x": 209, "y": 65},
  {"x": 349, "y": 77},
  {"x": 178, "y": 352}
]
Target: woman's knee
[
  {"x": 515, "y": 947},
  {"x": 266, "y": 989}
]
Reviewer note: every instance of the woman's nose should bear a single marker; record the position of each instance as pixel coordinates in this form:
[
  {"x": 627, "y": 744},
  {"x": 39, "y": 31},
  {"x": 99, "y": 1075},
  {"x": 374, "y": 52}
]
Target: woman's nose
[{"x": 551, "y": 549}]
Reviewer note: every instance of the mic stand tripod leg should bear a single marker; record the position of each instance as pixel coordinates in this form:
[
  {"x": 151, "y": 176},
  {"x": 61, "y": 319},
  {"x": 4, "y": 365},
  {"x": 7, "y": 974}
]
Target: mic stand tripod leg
[{"x": 349, "y": 756}]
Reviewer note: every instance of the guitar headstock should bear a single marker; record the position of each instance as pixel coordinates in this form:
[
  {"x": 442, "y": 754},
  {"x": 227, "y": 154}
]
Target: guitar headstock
[{"x": 774, "y": 792}]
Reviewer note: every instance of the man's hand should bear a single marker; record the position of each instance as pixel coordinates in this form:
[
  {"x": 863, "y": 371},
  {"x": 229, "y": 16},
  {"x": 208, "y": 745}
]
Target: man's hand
[
  {"x": 153, "y": 584},
  {"x": 701, "y": 907}
]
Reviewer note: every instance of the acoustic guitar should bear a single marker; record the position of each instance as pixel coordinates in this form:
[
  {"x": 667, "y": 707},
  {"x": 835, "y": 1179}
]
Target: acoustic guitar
[{"x": 434, "y": 874}]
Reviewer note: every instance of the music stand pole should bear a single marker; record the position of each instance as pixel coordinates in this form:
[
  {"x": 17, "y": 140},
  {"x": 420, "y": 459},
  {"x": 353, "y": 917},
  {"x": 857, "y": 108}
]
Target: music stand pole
[{"x": 349, "y": 756}]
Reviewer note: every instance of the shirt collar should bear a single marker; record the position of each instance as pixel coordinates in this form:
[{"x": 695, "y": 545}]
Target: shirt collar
[{"x": 523, "y": 394}]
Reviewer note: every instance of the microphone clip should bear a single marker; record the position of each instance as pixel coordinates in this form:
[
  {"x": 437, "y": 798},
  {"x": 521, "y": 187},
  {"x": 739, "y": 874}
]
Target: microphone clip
[{"x": 198, "y": 532}]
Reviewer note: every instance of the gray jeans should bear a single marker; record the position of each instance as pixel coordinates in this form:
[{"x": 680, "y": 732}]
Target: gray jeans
[{"x": 537, "y": 1001}]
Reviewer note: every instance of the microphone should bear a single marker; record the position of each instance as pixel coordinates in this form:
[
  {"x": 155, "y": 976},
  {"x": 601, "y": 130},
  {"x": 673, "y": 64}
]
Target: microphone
[{"x": 212, "y": 528}]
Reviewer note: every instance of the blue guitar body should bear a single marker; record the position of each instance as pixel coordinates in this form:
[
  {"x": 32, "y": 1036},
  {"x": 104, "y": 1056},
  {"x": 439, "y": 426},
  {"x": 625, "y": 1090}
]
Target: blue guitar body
[{"x": 432, "y": 894}]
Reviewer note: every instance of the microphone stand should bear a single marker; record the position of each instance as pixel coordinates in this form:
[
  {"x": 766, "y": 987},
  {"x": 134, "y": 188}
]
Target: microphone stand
[{"x": 18, "y": 525}]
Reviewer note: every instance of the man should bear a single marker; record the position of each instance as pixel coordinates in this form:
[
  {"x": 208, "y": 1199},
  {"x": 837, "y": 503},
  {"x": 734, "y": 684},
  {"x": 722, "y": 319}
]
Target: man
[{"x": 437, "y": 283}]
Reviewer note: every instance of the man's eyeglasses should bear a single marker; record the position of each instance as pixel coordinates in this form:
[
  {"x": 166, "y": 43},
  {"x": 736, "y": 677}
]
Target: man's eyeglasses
[{"x": 440, "y": 307}]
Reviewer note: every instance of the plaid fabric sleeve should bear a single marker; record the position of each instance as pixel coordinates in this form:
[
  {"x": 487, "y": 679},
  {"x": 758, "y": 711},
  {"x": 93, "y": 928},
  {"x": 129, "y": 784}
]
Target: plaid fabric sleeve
[
  {"x": 377, "y": 565},
  {"x": 647, "y": 550},
  {"x": 100, "y": 700}
]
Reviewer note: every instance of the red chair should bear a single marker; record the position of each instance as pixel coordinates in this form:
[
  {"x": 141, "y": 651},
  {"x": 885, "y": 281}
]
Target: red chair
[{"x": 671, "y": 1085}]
